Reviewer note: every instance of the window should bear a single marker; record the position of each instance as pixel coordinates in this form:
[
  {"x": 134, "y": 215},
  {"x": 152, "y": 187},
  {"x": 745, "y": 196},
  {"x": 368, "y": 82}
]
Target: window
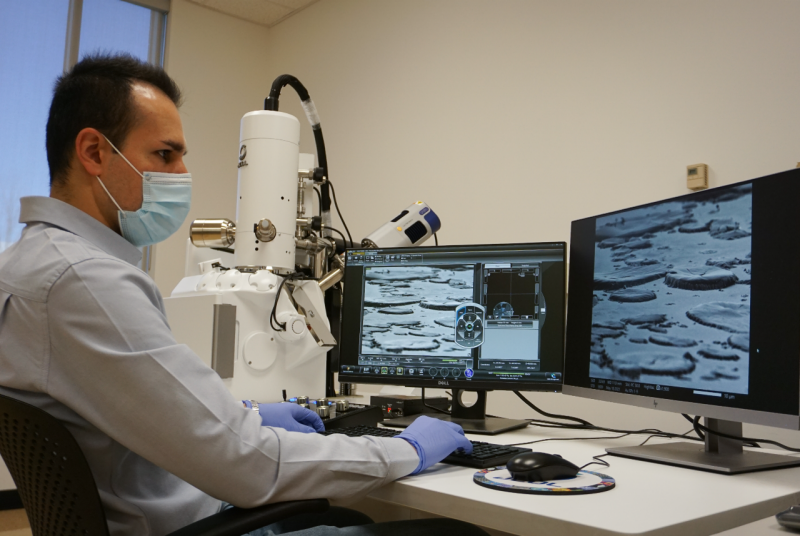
[{"x": 39, "y": 39}]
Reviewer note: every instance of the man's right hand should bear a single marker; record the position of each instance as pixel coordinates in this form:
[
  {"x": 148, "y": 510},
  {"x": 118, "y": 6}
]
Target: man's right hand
[{"x": 434, "y": 440}]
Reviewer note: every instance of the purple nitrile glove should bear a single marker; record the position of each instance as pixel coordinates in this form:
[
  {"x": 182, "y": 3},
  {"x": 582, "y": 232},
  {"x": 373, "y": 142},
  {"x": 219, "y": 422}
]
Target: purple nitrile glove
[
  {"x": 434, "y": 440},
  {"x": 290, "y": 417}
]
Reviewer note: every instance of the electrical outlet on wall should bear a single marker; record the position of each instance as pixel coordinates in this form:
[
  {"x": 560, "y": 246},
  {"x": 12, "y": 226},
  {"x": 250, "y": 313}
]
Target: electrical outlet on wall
[{"x": 697, "y": 177}]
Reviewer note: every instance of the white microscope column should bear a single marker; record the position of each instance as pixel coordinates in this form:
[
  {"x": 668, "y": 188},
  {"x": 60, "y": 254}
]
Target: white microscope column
[{"x": 268, "y": 163}]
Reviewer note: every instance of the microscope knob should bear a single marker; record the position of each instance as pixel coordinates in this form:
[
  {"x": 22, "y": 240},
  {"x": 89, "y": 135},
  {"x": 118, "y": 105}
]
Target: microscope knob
[
  {"x": 342, "y": 405},
  {"x": 323, "y": 411},
  {"x": 302, "y": 400},
  {"x": 265, "y": 230},
  {"x": 321, "y": 402}
]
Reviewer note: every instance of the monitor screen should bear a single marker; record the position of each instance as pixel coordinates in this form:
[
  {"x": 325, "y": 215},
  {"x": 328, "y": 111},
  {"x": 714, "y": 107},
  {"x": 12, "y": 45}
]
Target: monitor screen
[
  {"x": 472, "y": 317},
  {"x": 691, "y": 304}
]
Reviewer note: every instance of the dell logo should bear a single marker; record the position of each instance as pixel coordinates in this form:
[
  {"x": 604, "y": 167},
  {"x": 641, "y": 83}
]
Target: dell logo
[{"x": 442, "y": 382}]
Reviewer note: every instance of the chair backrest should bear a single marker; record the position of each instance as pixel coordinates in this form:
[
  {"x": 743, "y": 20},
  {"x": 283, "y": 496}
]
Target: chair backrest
[{"x": 50, "y": 471}]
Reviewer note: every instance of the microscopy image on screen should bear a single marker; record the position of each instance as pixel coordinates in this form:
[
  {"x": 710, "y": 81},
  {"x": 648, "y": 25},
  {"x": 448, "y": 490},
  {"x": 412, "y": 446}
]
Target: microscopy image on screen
[
  {"x": 511, "y": 293},
  {"x": 411, "y": 309},
  {"x": 672, "y": 293}
]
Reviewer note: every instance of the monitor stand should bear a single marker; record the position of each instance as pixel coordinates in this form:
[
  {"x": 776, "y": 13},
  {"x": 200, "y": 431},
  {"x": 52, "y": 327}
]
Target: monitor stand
[
  {"x": 472, "y": 419},
  {"x": 719, "y": 455}
]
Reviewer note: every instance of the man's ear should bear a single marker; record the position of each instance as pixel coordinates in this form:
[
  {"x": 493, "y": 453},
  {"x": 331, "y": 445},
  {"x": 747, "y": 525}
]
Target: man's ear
[{"x": 92, "y": 151}]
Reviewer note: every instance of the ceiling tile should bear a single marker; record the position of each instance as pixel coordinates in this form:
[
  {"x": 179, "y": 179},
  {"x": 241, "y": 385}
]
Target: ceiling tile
[
  {"x": 263, "y": 12},
  {"x": 295, "y": 5}
]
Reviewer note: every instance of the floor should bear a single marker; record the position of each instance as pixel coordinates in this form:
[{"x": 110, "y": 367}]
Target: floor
[{"x": 14, "y": 523}]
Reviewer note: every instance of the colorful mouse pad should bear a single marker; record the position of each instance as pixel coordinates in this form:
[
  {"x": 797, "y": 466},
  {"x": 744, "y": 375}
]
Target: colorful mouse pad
[{"x": 585, "y": 482}]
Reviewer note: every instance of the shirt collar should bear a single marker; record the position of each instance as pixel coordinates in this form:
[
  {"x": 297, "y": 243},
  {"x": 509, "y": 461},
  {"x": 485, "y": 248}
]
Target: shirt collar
[{"x": 55, "y": 212}]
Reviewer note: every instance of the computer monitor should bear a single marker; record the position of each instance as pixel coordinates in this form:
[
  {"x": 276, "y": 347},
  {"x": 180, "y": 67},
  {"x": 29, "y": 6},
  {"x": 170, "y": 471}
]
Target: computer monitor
[
  {"x": 692, "y": 305},
  {"x": 476, "y": 317}
]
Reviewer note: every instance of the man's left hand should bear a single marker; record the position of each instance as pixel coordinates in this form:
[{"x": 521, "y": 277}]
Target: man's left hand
[{"x": 290, "y": 417}]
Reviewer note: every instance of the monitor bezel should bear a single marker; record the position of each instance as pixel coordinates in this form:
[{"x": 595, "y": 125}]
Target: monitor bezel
[
  {"x": 469, "y": 385},
  {"x": 778, "y": 420},
  {"x": 758, "y": 417}
]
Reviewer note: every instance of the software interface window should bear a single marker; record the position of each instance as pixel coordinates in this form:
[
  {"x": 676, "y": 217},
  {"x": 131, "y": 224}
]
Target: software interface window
[{"x": 441, "y": 314}]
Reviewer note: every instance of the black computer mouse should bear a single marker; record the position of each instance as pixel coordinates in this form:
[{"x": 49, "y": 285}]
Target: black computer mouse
[{"x": 540, "y": 466}]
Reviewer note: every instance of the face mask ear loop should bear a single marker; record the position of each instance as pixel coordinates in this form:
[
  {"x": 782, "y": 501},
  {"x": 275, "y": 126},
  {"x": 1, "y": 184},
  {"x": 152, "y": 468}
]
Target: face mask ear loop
[
  {"x": 110, "y": 196},
  {"x": 123, "y": 157}
]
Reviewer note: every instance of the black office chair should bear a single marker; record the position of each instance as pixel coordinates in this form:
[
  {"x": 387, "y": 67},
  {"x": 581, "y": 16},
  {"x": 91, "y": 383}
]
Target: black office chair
[{"x": 59, "y": 493}]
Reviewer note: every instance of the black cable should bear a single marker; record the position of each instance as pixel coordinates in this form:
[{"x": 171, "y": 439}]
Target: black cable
[
  {"x": 272, "y": 318},
  {"x": 696, "y": 426},
  {"x": 585, "y": 425},
  {"x": 565, "y": 439},
  {"x": 436, "y": 239},
  {"x": 597, "y": 461},
  {"x": 694, "y": 422},
  {"x": 339, "y": 212},
  {"x": 748, "y": 441},
  {"x": 440, "y": 410},
  {"x": 221, "y": 268},
  {"x": 551, "y": 415},
  {"x": 272, "y": 103},
  {"x": 337, "y": 231},
  {"x": 650, "y": 431},
  {"x": 319, "y": 197}
]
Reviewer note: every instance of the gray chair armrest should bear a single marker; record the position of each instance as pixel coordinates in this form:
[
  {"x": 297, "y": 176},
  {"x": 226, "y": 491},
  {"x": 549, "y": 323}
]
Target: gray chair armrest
[{"x": 239, "y": 521}]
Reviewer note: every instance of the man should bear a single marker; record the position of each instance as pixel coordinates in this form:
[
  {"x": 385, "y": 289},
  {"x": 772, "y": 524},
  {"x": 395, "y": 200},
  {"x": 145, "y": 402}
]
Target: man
[{"x": 83, "y": 333}]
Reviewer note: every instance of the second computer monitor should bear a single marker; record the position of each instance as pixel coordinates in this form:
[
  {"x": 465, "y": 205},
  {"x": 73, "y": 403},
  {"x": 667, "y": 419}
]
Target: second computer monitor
[{"x": 471, "y": 317}]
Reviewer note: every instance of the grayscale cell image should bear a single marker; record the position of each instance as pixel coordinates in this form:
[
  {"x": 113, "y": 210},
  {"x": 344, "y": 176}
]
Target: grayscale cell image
[
  {"x": 411, "y": 309},
  {"x": 672, "y": 293}
]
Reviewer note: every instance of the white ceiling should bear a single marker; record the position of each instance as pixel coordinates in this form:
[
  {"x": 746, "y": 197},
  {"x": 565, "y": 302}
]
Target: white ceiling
[{"x": 265, "y": 12}]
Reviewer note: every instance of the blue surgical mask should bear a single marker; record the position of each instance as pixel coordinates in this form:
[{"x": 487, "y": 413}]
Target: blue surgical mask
[{"x": 166, "y": 198}]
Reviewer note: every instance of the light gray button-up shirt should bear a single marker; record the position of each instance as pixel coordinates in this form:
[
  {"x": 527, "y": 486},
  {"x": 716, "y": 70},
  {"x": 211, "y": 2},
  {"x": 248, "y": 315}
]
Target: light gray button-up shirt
[{"x": 84, "y": 336}]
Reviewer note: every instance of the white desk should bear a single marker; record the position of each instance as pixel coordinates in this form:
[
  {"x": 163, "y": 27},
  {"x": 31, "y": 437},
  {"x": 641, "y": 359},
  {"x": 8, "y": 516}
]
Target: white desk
[{"x": 649, "y": 498}]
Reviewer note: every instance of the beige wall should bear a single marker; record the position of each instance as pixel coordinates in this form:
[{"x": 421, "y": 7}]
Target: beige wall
[
  {"x": 222, "y": 65},
  {"x": 511, "y": 118}
]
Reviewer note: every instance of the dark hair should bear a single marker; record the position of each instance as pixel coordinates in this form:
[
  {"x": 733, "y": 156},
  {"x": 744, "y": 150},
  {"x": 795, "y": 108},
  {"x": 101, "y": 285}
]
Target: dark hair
[{"x": 97, "y": 93}]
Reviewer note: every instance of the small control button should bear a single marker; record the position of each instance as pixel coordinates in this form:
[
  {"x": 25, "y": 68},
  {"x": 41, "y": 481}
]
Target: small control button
[
  {"x": 445, "y": 372},
  {"x": 433, "y": 371},
  {"x": 469, "y": 373},
  {"x": 456, "y": 373}
]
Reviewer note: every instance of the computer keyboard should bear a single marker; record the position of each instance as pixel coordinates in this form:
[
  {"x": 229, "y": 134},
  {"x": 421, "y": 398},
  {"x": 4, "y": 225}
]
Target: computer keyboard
[{"x": 483, "y": 454}]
